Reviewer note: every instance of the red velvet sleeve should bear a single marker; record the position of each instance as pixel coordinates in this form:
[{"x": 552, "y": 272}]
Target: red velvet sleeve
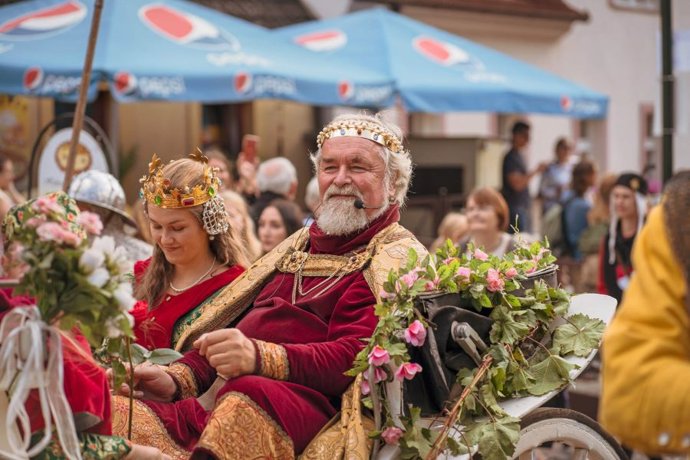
[
  {"x": 204, "y": 374},
  {"x": 321, "y": 366}
]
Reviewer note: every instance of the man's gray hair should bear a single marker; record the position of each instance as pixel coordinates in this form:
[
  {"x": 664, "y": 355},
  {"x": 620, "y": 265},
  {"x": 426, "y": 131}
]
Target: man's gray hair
[
  {"x": 276, "y": 175},
  {"x": 398, "y": 166}
]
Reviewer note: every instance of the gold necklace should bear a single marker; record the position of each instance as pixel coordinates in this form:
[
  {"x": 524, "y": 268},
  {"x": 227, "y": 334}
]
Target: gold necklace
[{"x": 213, "y": 264}]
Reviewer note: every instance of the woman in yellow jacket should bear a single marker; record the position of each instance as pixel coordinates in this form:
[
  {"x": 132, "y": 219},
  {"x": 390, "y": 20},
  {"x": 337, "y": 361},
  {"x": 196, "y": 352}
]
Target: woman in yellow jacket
[{"x": 645, "y": 399}]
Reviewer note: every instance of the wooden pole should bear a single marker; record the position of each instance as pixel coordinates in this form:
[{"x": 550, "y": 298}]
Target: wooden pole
[
  {"x": 83, "y": 89},
  {"x": 667, "y": 89}
]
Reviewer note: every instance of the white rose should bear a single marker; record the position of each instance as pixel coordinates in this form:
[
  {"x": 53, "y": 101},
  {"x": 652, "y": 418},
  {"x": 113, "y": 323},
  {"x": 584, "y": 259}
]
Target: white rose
[
  {"x": 113, "y": 327},
  {"x": 104, "y": 244},
  {"x": 123, "y": 296},
  {"x": 99, "y": 277},
  {"x": 121, "y": 261},
  {"x": 90, "y": 260}
]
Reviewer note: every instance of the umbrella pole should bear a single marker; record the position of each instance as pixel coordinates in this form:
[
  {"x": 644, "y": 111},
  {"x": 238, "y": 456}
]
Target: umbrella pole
[{"x": 83, "y": 88}]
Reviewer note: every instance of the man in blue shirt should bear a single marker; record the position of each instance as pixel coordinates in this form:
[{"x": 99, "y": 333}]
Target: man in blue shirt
[{"x": 516, "y": 179}]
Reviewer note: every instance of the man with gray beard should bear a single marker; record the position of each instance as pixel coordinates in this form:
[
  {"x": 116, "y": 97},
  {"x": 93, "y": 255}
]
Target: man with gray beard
[{"x": 272, "y": 348}]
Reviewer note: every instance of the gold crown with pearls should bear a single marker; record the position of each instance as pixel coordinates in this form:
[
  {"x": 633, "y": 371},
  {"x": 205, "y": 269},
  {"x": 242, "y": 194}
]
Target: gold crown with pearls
[
  {"x": 156, "y": 189},
  {"x": 360, "y": 128}
]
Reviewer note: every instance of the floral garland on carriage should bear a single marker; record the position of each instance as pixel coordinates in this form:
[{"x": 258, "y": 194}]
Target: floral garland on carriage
[{"x": 524, "y": 355}]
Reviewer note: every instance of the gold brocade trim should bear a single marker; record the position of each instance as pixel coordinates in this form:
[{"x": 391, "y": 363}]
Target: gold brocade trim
[
  {"x": 346, "y": 435},
  {"x": 391, "y": 254},
  {"x": 240, "y": 429},
  {"x": 237, "y": 296},
  {"x": 147, "y": 429},
  {"x": 321, "y": 264},
  {"x": 274, "y": 360},
  {"x": 184, "y": 378}
]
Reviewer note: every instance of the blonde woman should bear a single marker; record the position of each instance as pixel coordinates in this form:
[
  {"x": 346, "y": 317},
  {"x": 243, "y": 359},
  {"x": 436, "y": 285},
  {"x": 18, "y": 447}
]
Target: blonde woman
[
  {"x": 242, "y": 223},
  {"x": 454, "y": 227},
  {"x": 196, "y": 252}
]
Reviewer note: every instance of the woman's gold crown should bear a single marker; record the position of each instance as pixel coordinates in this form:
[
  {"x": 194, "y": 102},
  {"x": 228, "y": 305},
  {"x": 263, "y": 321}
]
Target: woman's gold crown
[
  {"x": 360, "y": 128},
  {"x": 156, "y": 189}
]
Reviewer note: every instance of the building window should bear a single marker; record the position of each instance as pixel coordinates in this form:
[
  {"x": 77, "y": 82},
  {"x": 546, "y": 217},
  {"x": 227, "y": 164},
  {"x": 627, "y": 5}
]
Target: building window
[{"x": 647, "y": 6}]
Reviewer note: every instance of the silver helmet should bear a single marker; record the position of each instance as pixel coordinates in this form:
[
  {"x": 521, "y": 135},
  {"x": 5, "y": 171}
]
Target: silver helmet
[{"x": 100, "y": 189}]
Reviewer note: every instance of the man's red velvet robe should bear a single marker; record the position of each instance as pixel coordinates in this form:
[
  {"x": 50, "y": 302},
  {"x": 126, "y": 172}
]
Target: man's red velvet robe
[{"x": 321, "y": 335}]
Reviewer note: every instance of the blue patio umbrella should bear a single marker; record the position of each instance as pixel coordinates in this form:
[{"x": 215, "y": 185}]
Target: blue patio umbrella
[
  {"x": 436, "y": 71},
  {"x": 169, "y": 50}
]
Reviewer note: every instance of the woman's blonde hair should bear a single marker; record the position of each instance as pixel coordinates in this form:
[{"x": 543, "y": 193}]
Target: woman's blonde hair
[
  {"x": 226, "y": 246},
  {"x": 252, "y": 245}
]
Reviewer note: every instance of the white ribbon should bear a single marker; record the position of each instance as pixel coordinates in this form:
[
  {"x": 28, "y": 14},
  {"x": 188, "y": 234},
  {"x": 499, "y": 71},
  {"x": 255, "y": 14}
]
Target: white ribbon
[{"x": 31, "y": 358}]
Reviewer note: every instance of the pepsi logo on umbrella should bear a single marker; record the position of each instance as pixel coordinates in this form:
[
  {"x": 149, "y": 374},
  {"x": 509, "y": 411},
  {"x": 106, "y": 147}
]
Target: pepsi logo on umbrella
[
  {"x": 443, "y": 53},
  {"x": 243, "y": 82},
  {"x": 186, "y": 29},
  {"x": 322, "y": 40},
  {"x": 33, "y": 78},
  {"x": 125, "y": 83},
  {"x": 44, "y": 22}
]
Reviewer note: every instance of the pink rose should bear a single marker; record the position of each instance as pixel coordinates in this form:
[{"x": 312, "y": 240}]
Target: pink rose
[
  {"x": 70, "y": 238},
  {"x": 49, "y": 231},
  {"x": 415, "y": 334},
  {"x": 479, "y": 254},
  {"x": 378, "y": 356},
  {"x": 392, "y": 435},
  {"x": 464, "y": 273},
  {"x": 386, "y": 295},
  {"x": 379, "y": 375},
  {"x": 409, "y": 278},
  {"x": 47, "y": 204},
  {"x": 407, "y": 371},
  {"x": 494, "y": 281},
  {"x": 91, "y": 222},
  {"x": 432, "y": 285},
  {"x": 511, "y": 273},
  {"x": 366, "y": 389},
  {"x": 36, "y": 221}
]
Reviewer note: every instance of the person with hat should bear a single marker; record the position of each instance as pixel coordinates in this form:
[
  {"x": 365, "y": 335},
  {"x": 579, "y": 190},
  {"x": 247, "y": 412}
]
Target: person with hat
[
  {"x": 196, "y": 252},
  {"x": 628, "y": 213},
  {"x": 101, "y": 193}
]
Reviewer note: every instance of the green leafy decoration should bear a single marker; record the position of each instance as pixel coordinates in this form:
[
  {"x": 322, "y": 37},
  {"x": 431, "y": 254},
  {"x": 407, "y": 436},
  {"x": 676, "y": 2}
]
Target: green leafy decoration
[
  {"x": 578, "y": 336},
  {"x": 496, "y": 437},
  {"x": 522, "y": 358},
  {"x": 550, "y": 374}
]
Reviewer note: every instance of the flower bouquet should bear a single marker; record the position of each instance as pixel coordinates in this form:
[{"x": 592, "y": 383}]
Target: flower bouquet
[
  {"x": 78, "y": 289},
  {"x": 523, "y": 355},
  {"x": 72, "y": 282}
]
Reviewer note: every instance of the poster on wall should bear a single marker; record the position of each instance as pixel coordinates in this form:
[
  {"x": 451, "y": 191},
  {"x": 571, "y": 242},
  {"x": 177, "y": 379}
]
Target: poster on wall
[{"x": 53, "y": 162}]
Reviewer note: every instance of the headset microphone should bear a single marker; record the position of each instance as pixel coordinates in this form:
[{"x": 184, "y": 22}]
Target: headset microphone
[{"x": 359, "y": 204}]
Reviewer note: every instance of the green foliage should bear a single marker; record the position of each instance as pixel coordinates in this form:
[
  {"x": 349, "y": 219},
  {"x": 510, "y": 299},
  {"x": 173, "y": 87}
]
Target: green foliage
[
  {"x": 526, "y": 360},
  {"x": 578, "y": 336}
]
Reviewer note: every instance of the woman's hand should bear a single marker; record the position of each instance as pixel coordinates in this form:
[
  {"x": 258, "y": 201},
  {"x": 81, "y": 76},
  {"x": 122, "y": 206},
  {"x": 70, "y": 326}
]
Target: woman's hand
[
  {"x": 150, "y": 382},
  {"x": 229, "y": 351},
  {"x": 140, "y": 452}
]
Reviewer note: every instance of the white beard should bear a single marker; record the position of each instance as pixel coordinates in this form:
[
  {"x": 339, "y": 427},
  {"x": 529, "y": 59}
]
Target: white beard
[{"x": 339, "y": 217}]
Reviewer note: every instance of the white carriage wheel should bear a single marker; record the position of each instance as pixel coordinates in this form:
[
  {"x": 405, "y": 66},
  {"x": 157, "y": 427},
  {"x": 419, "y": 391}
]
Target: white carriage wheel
[{"x": 585, "y": 436}]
